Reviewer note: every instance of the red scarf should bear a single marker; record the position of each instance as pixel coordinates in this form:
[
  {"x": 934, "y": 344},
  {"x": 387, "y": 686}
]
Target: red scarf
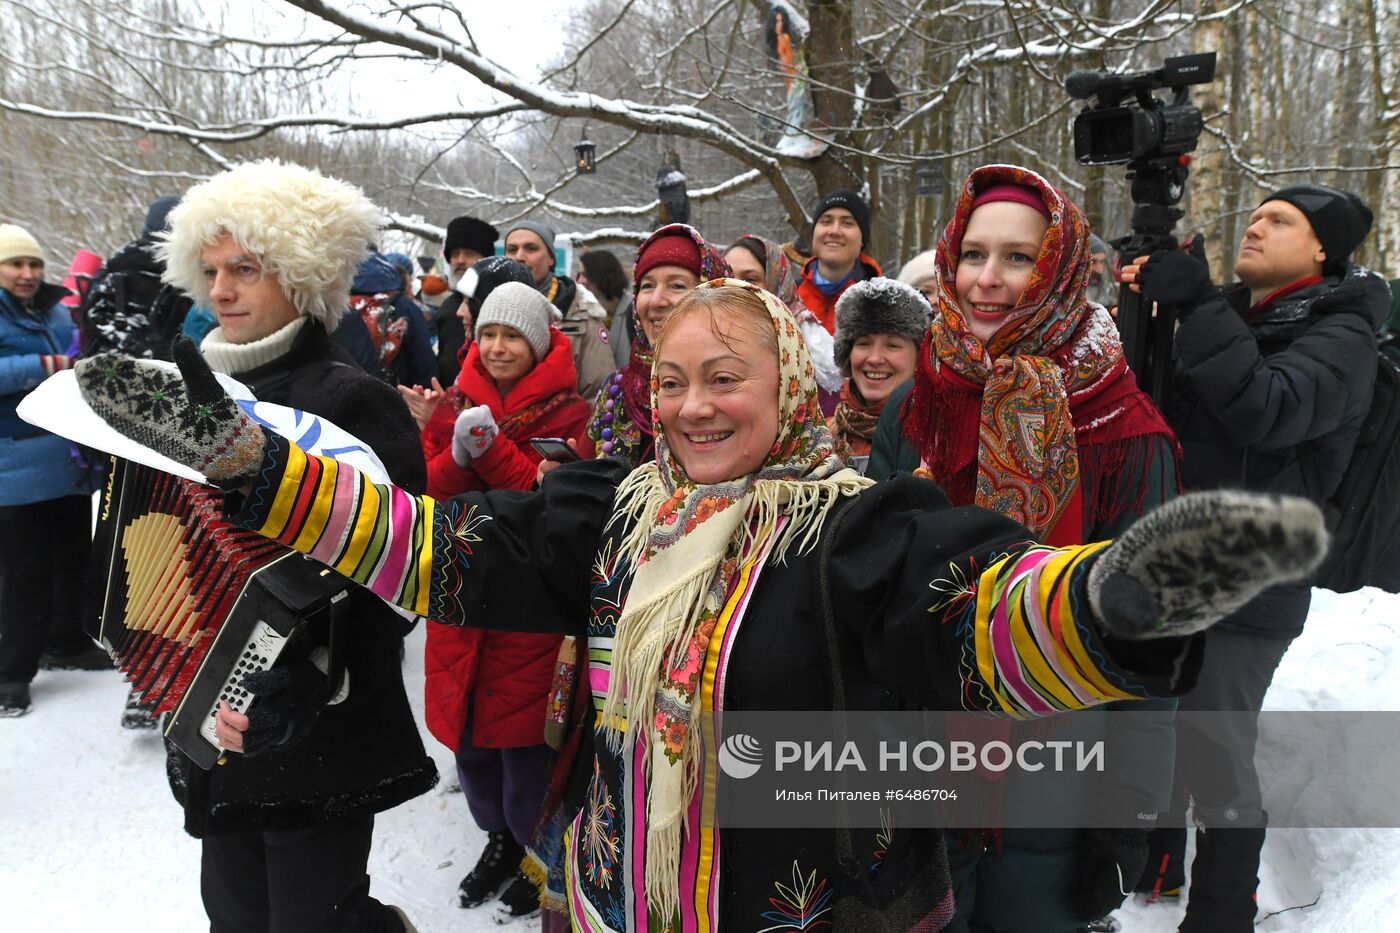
[
  {"x": 1039, "y": 424},
  {"x": 551, "y": 384}
]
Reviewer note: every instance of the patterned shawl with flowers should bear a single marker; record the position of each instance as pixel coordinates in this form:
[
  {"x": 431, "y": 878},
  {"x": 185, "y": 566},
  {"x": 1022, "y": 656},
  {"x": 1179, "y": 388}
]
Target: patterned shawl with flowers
[
  {"x": 1047, "y": 391},
  {"x": 687, "y": 542},
  {"x": 621, "y": 421},
  {"x": 781, "y": 278}
]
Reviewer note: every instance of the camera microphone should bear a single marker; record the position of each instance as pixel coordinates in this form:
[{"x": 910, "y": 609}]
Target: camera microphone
[{"x": 1081, "y": 85}]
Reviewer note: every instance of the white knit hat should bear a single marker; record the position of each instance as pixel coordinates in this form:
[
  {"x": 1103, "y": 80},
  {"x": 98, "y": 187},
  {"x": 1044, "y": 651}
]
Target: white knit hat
[
  {"x": 17, "y": 242},
  {"x": 522, "y": 307}
]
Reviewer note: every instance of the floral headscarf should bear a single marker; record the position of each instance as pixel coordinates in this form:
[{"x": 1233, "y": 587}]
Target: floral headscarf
[
  {"x": 1038, "y": 376},
  {"x": 687, "y": 544},
  {"x": 781, "y": 277},
  {"x": 778, "y": 277},
  {"x": 621, "y": 421}
]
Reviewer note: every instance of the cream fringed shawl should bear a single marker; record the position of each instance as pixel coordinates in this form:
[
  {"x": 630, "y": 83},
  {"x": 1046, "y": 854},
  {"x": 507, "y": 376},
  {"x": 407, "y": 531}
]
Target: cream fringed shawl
[{"x": 686, "y": 542}]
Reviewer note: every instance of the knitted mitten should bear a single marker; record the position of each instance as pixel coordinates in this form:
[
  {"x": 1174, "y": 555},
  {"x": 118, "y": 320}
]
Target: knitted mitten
[
  {"x": 472, "y": 434},
  {"x": 191, "y": 420},
  {"x": 1198, "y": 558}
]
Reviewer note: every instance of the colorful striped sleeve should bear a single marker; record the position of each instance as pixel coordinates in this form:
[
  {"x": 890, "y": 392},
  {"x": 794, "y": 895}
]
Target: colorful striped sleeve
[
  {"x": 953, "y": 608},
  {"x": 1028, "y": 649},
  {"x": 379, "y": 536}
]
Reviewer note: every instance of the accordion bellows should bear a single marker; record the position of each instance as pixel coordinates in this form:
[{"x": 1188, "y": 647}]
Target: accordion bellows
[{"x": 187, "y": 603}]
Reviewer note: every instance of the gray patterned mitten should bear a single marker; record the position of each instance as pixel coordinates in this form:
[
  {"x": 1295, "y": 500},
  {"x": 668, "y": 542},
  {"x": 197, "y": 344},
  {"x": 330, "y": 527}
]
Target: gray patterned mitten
[
  {"x": 1198, "y": 558},
  {"x": 191, "y": 420}
]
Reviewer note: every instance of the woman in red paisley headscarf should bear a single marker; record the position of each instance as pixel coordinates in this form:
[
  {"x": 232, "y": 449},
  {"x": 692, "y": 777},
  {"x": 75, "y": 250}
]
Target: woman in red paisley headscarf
[{"x": 1024, "y": 404}]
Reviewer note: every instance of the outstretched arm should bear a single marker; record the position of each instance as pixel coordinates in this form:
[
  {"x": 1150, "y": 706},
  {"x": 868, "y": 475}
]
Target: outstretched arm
[
  {"x": 483, "y": 559},
  {"x": 488, "y": 559},
  {"x": 955, "y": 608}
]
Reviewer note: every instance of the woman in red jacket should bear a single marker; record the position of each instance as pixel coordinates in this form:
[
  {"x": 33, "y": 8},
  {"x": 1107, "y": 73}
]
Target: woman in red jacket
[{"x": 487, "y": 691}]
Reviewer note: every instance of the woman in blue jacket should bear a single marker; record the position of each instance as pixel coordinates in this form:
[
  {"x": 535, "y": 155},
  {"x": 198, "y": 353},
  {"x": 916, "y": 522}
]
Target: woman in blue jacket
[{"x": 45, "y": 496}]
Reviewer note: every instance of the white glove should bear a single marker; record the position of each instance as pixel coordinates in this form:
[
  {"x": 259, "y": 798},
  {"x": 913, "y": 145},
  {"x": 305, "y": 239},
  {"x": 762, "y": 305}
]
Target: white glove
[{"x": 472, "y": 434}]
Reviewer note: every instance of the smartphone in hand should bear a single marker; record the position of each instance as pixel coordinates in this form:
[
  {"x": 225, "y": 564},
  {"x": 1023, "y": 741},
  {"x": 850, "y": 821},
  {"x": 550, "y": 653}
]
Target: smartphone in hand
[{"x": 554, "y": 448}]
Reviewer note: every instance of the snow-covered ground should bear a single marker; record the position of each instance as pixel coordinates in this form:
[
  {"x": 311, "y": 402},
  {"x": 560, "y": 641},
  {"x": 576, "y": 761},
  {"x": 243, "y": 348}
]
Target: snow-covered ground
[{"x": 90, "y": 838}]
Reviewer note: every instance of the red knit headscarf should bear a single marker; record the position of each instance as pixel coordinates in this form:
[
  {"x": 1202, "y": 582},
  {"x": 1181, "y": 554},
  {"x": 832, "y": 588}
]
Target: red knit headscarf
[{"x": 1047, "y": 409}]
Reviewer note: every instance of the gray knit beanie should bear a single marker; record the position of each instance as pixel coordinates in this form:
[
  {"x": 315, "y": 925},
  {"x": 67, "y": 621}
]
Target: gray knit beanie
[
  {"x": 540, "y": 230},
  {"x": 522, "y": 307},
  {"x": 878, "y": 306}
]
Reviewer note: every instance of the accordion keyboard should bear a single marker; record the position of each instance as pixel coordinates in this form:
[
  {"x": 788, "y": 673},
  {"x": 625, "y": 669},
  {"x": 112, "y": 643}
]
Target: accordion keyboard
[{"x": 259, "y": 654}]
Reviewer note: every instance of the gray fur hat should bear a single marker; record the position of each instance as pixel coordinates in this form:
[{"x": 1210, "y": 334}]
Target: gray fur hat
[{"x": 878, "y": 306}]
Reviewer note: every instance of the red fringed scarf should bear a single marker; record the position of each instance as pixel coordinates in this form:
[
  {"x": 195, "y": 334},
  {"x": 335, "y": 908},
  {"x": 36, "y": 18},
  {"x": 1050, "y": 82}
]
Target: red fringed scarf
[{"x": 1044, "y": 423}]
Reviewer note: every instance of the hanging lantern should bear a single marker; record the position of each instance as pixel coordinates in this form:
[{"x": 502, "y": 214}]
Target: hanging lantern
[
  {"x": 583, "y": 155},
  {"x": 670, "y": 190},
  {"x": 929, "y": 178}
]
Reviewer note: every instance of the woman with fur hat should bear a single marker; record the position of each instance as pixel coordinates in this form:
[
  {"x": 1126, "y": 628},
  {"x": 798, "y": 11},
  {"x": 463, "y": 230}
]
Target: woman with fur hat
[
  {"x": 669, "y": 264},
  {"x": 487, "y": 690},
  {"x": 45, "y": 494},
  {"x": 685, "y": 574},
  {"x": 879, "y": 326},
  {"x": 1015, "y": 342}
]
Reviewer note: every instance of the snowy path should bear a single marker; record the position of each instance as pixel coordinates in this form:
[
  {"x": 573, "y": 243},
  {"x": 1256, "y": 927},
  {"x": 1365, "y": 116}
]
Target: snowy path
[{"x": 90, "y": 838}]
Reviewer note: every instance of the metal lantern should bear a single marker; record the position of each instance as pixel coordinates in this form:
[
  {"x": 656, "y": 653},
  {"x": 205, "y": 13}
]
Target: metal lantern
[
  {"x": 929, "y": 178},
  {"x": 670, "y": 190},
  {"x": 583, "y": 152}
]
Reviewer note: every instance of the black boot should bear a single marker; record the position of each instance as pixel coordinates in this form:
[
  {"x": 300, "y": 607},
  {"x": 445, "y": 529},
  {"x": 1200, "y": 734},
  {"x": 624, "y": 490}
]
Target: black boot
[
  {"x": 520, "y": 900},
  {"x": 1165, "y": 872},
  {"x": 498, "y": 864},
  {"x": 138, "y": 715},
  {"x": 14, "y": 699},
  {"x": 1224, "y": 881},
  {"x": 88, "y": 658}
]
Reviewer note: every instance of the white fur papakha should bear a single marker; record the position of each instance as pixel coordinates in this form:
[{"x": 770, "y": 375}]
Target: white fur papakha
[{"x": 312, "y": 231}]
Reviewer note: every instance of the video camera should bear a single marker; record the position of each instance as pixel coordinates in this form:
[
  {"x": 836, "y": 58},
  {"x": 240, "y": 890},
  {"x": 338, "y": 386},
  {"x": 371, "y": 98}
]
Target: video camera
[
  {"x": 1124, "y": 123},
  {"x": 1110, "y": 132}
]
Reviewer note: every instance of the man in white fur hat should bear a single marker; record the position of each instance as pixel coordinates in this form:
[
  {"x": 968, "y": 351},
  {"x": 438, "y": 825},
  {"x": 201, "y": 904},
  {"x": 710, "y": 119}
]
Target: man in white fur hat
[{"x": 286, "y": 823}]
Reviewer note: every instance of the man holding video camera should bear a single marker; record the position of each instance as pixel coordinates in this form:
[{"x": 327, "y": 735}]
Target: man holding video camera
[{"x": 1271, "y": 382}]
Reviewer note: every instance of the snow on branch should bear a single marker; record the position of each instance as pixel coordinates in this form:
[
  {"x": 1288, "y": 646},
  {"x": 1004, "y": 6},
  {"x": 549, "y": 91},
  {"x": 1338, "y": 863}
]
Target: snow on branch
[
  {"x": 253, "y": 129},
  {"x": 677, "y": 120}
]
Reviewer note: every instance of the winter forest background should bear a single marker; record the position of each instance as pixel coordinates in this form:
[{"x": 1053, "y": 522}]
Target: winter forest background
[{"x": 108, "y": 104}]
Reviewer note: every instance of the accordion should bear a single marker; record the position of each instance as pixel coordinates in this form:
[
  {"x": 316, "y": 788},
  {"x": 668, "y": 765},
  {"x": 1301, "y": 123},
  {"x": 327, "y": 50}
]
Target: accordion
[{"x": 188, "y": 603}]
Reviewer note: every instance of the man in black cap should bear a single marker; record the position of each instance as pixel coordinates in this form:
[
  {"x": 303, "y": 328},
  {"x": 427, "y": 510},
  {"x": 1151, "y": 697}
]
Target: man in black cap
[
  {"x": 584, "y": 319},
  {"x": 840, "y": 236},
  {"x": 468, "y": 241},
  {"x": 1272, "y": 382}
]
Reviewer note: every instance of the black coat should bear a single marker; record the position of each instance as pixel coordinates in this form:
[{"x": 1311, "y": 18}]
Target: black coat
[
  {"x": 547, "y": 556},
  {"x": 1254, "y": 386},
  {"x": 452, "y": 335},
  {"x": 363, "y": 755}
]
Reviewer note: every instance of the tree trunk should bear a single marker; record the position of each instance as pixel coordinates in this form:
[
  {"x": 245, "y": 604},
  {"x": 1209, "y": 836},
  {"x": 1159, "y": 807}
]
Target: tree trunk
[
  {"x": 831, "y": 59},
  {"x": 1209, "y": 204}
]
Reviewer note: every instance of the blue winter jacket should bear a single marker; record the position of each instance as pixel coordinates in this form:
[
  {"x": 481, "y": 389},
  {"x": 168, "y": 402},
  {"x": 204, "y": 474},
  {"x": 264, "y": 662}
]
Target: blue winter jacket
[{"x": 35, "y": 466}]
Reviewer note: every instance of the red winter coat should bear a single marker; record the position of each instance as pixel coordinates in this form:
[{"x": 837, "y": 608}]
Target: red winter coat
[
  {"x": 819, "y": 302},
  {"x": 501, "y": 679}
]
